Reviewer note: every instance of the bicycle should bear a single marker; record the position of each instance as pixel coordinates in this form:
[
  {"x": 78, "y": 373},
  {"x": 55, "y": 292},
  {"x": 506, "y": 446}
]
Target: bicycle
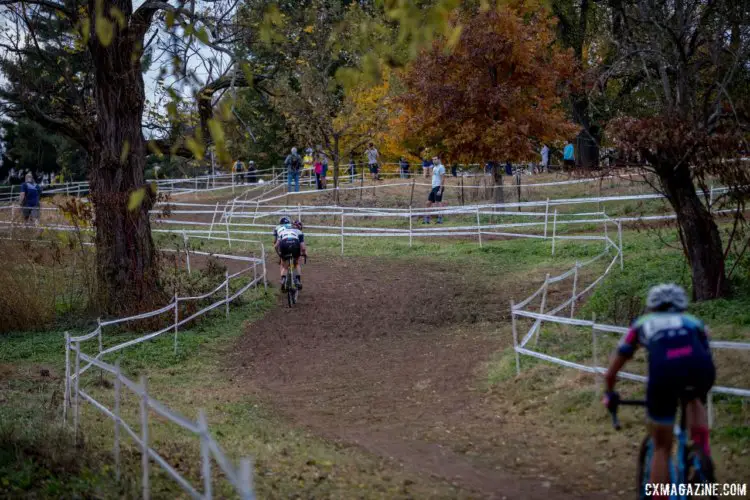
[
  {"x": 292, "y": 292},
  {"x": 693, "y": 467}
]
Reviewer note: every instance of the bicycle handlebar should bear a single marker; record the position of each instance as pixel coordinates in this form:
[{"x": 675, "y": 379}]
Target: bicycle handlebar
[{"x": 615, "y": 402}]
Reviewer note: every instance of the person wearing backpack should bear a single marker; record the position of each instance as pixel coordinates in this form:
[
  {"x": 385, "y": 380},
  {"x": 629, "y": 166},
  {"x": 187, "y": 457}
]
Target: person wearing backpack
[{"x": 293, "y": 164}]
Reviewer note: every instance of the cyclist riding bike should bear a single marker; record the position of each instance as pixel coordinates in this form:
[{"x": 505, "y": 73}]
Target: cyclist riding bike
[
  {"x": 680, "y": 367},
  {"x": 289, "y": 241}
]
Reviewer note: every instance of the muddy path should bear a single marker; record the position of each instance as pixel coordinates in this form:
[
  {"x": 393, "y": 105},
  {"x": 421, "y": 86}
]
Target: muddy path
[{"x": 388, "y": 356}]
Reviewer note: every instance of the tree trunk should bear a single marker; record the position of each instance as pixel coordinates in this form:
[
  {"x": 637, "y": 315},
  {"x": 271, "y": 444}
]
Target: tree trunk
[
  {"x": 126, "y": 258},
  {"x": 700, "y": 233},
  {"x": 498, "y": 175},
  {"x": 335, "y": 161}
]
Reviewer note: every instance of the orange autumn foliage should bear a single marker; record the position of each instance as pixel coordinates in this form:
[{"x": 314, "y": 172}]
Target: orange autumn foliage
[{"x": 497, "y": 95}]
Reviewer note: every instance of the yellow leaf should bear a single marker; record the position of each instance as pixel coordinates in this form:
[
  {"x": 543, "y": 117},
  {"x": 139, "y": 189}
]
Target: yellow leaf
[
  {"x": 309, "y": 29},
  {"x": 125, "y": 151},
  {"x": 169, "y": 19},
  {"x": 195, "y": 147},
  {"x": 454, "y": 37},
  {"x": 202, "y": 35},
  {"x": 85, "y": 29},
  {"x": 151, "y": 145},
  {"x": 136, "y": 198},
  {"x": 119, "y": 16},
  {"x": 105, "y": 30}
]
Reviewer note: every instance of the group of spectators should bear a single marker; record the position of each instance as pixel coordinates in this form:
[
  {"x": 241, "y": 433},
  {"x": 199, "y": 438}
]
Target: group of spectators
[
  {"x": 245, "y": 174},
  {"x": 317, "y": 162}
]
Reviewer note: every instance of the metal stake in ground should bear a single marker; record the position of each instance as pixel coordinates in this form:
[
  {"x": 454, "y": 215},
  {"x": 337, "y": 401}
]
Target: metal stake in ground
[{"x": 515, "y": 338}]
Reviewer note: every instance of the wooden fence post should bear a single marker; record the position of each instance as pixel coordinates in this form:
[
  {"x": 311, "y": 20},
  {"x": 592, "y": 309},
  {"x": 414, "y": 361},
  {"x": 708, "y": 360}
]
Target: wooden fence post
[
  {"x": 118, "y": 386},
  {"x": 246, "y": 479},
  {"x": 66, "y": 395},
  {"x": 619, "y": 238},
  {"x": 176, "y": 320},
  {"x": 573, "y": 296},
  {"x": 342, "y": 232},
  {"x": 145, "y": 459},
  {"x": 479, "y": 229},
  {"x": 76, "y": 408},
  {"x": 541, "y": 308},
  {"x": 226, "y": 293},
  {"x": 595, "y": 354},
  {"x": 515, "y": 338},
  {"x": 411, "y": 196},
  {"x": 554, "y": 231},
  {"x": 263, "y": 258},
  {"x": 187, "y": 251},
  {"x": 410, "y": 226},
  {"x": 205, "y": 455},
  {"x": 213, "y": 219}
]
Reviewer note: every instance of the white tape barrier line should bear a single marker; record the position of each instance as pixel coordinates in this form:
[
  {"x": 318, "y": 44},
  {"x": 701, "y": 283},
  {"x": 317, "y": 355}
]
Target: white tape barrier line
[
  {"x": 625, "y": 375},
  {"x": 559, "y": 277},
  {"x": 152, "y": 454},
  {"x": 162, "y": 410},
  {"x": 381, "y": 229},
  {"x": 168, "y": 328},
  {"x": 551, "y": 318}
]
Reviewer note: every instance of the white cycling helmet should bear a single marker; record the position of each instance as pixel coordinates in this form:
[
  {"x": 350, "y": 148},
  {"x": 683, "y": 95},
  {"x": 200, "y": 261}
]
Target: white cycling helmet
[{"x": 667, "y": 296}]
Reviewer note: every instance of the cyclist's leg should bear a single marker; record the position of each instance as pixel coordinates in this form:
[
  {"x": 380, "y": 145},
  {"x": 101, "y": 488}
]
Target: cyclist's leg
[
  {"x": 695, "y": 410},
  {"x": 661, "y": 403}
]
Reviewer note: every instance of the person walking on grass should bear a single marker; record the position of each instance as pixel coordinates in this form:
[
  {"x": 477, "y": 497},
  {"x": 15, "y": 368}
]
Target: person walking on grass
[
  {"x": 293, "y": 164},
  {"x": 30, "y": 197},
  {"x": 404, "y": 168},
  {"x": 569, "y": 160},
  {"x": 545, "y": 159},
  {"x": 372, "y": 161},
  {"x": 318, "y": 166},
  {"x": 438, "y": 187}
]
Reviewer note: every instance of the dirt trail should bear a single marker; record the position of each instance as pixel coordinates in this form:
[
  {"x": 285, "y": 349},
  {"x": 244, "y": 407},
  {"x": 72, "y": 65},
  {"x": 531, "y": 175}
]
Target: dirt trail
[{"x": 384, "y": 355}]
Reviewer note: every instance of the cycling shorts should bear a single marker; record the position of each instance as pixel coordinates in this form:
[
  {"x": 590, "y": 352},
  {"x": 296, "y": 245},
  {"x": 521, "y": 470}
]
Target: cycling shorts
[
  {"x": 436, "y": 195},
  {"x": 290, "y": 248},
  {"x": 666, "y": 387}
]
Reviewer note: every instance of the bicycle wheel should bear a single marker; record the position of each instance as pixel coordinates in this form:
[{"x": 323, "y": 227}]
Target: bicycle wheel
[
  {"x": 644, "y": 467},
  {"x": 698, "y": 469}
]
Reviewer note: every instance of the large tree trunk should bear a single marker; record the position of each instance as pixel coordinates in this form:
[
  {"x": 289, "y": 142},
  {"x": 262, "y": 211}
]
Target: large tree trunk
[
  {"x": 700, "y": 234},
  {"x": 126, "y": 257}
]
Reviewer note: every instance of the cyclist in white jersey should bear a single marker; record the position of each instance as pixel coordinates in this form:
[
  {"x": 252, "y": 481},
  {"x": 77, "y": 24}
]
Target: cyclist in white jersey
[{"x": 288, "y": 240}]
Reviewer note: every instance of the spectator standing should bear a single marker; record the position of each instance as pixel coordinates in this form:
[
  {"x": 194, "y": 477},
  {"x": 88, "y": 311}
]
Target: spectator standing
[
  {"x": 352, "y": 168},
  {"x": 324, "y": 169},
  {"x": 508, "y": 168},
  {"x": 569, "y": 160},
  {"x": 372, "y": 161},
  {"x": 308, "y": 162},
  {"x": 237, "y": 170},
  {"x": 252, "y": 172},
  {"x": 318, "y": 167},
  {"x": 404, "y": 167},
  {"x": 454, "y": 170},
  {"x": 30, "y": 199},
  {"x": 293, "y": 164},
  {"x": 438, "y": 187},
  {"x": 545, "y": 158}
]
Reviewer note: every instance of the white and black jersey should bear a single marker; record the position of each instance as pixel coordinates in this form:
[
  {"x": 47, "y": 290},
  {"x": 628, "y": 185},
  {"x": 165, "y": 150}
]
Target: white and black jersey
[{"x": 285, "y": 232}]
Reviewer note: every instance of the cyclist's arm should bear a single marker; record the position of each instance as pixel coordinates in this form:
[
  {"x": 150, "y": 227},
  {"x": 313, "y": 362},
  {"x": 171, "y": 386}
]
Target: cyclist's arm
[
  {"x": 624, "y": 352},
  {"x": 302, "y": 245}
]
